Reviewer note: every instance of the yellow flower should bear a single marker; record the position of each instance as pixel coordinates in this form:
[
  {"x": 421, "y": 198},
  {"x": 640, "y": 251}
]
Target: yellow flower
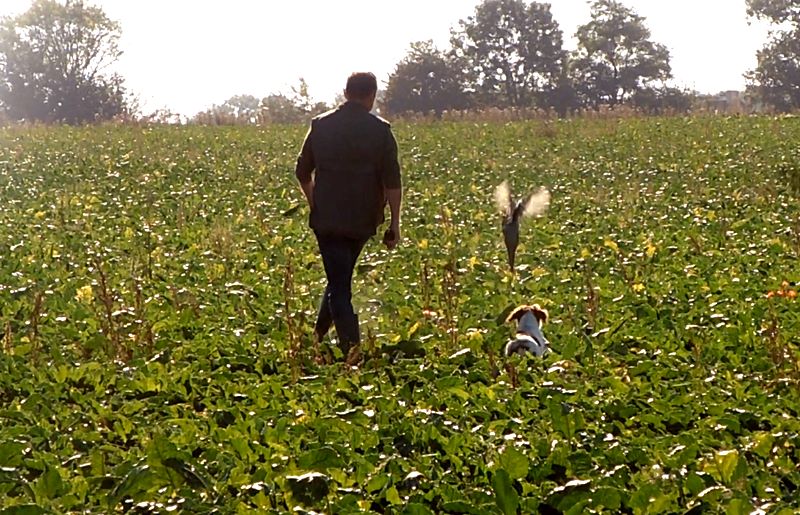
[
  {"x": 638, "y": 287},
  {"x": 612, "y": 245},
  {"x": 474, "y": 335},
  {"x": 651, "y": 249},
  {"x": 85, "y": 294}
]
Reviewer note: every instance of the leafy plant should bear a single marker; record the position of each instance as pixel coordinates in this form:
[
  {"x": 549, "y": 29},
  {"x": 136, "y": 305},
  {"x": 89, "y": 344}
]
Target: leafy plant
[{"x": 156, "y": 285}]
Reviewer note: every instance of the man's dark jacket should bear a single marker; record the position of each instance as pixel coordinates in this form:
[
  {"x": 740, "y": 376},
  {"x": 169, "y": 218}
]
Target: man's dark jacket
[{"x": 353, "y": 157}]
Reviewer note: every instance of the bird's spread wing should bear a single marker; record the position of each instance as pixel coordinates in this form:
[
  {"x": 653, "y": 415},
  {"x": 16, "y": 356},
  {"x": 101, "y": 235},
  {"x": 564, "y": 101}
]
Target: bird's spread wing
[
  {"x": 502, "y": 197},
  {"x": 535, "y": 204}
]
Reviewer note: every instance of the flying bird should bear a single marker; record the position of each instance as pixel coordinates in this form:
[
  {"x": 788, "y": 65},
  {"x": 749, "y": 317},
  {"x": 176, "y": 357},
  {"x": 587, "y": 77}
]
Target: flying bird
[{"x": 534, "y": 204}]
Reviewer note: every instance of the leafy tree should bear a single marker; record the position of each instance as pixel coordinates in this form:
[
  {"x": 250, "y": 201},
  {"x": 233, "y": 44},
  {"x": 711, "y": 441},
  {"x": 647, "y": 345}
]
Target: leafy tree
[
  {"x": 563, "y": 97},
  {"x": 615, "y": 57},
  {"x": 776, "y": 79},
  {"x": 296, "y": 107},
  {"x": 305, "y": 103},
  {"x": 664, "y": 99},
  {"x": 52, "y": 62},
  {"x": 237, "y": 110},
  {"x": 279, "y": 108},
  {"x": 246, "y": 110},
  {"x": 244, "y": 107},
  {"x": 513, "y": 52},
  {"x": 426, "y": 80},
  {"x": 778, "y": 11}
]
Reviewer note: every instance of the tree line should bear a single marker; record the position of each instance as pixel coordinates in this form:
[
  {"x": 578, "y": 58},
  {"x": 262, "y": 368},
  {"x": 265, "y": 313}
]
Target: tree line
[
  {"x": 510, "y": 54},
  {"x": 295, "y": 107},
  {"x": 55, "y": 59}
]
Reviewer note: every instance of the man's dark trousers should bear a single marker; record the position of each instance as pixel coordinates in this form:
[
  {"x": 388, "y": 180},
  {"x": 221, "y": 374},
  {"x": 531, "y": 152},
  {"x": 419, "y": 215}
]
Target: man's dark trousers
[{"x": 339, "y": 256}]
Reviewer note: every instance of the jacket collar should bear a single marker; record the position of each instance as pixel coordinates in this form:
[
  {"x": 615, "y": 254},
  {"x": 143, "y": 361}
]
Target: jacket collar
[{"x": 352, "y": 104}]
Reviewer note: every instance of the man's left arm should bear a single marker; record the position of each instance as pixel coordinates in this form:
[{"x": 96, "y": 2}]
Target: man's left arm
[
  {"x": 393, "y": 188},
  {"x": 305, "y": 168}
]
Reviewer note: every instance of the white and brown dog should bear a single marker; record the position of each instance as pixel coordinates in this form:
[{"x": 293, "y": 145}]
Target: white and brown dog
[{"x": 529, "y": 336}]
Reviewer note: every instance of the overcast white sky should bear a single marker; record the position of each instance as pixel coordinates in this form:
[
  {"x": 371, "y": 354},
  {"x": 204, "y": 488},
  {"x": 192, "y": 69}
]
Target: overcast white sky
[{"x": 188, "y": 54}]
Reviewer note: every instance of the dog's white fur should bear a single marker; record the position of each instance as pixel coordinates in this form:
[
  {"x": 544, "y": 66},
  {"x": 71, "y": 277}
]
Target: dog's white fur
[{"x": 529, "y": 336}]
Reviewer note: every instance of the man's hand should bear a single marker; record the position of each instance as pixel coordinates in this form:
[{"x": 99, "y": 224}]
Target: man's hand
[
  {"x": 308, "y": 192},
  {"x": 392, "y": 236}
]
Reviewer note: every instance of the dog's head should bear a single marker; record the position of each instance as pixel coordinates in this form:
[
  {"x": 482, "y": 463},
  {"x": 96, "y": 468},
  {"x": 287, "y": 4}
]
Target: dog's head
[
  {"x": 537, "y": 311},
  {"x": 529, "y": 319}
]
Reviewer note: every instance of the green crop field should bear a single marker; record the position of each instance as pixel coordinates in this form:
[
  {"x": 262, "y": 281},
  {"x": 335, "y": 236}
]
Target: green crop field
[{"x": 158, "y": 286}]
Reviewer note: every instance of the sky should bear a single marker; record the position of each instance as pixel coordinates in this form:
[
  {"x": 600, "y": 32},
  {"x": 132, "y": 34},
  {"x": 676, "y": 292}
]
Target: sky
[{"x": 185, "y": 55}]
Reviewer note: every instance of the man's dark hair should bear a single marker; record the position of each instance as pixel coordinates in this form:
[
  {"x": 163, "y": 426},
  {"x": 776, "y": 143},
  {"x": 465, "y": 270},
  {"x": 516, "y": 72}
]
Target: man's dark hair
[{"x": 361, "y": 85}]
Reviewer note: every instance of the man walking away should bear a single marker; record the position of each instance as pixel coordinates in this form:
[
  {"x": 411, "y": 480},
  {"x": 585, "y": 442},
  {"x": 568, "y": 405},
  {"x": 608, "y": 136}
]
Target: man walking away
[{"x": 348, "y": 171}]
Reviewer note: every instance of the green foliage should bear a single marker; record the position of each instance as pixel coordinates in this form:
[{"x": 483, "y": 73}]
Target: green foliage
[
  {"x": 241, "y": 108},
  {"x": 506, "y": 497},
  {"x": 776, "y": 79},
  {"x": 52, "y": 59},
  {"x": 145, "y": 360},
  {"x": 275, "y": 108},
  {"x": 615, "y": 57},
  {"x": 664, "y": 100},
  {"x": 513, "y": 52},
  {"x": 425, "y": 81},
  {"x": 777, "y": 11}
]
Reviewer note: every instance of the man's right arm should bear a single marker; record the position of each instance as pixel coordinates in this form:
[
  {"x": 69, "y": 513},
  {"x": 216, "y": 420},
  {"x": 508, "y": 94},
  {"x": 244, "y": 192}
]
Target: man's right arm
[
  {"x": 395, "y": 197},
  {"x": 305, "y": 168}
]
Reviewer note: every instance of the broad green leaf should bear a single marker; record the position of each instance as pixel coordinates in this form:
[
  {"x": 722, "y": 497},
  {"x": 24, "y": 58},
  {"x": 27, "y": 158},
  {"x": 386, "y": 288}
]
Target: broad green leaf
[
  {"x": 763, "y": 443},
  {"x": 572, "y": 496},
  {"x": 139, "y": 479},
  {"x": 393, "y": 496},
  {"x": 416, "y": 509},
  {"x": 11, "y": 453},
  {"x": 726, "y": 463},
  {"x": 458, "y": 507},
  {"x": 377, "y": 483},
  {"x": 739, "y": 507},
  {"x": 50, "y": 484},
  {"x": 513, "y": 462},
  {"x": 506, "y": 498},
  {"x": 607, "y": 497},
  {"x": 320, "y": 459},
  {"x": 310, "y": 488},
  {"x": 189, "y": 472}
]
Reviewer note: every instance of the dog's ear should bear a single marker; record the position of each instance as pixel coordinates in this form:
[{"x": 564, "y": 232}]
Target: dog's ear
[
  {"x": 540, "y": 313},
  {"x": 518, "y": 313}
]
